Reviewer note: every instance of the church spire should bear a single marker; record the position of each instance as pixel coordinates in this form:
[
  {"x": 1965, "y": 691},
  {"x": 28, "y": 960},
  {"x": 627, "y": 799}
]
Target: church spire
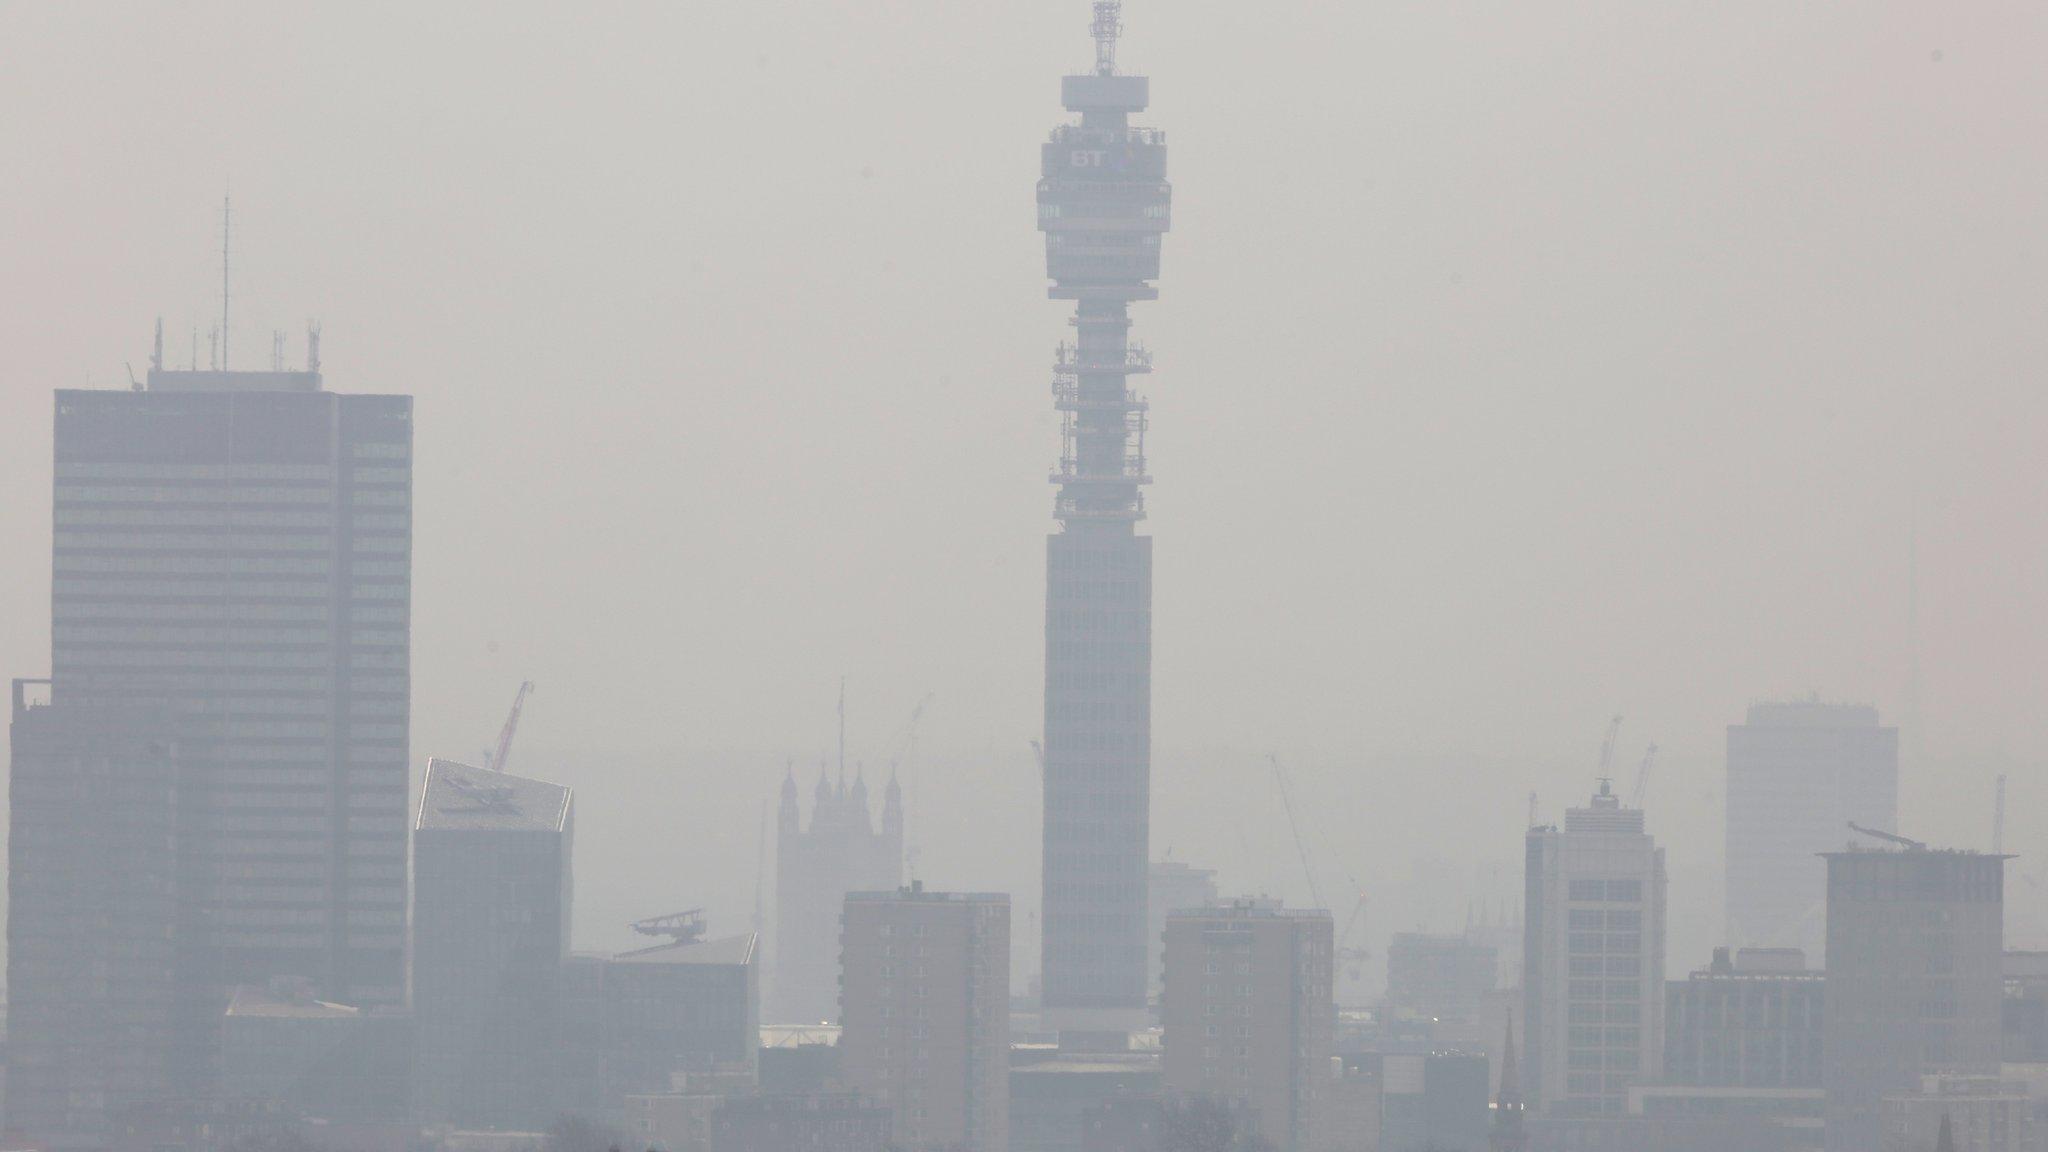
[{"x": 1507, "y": 1134}]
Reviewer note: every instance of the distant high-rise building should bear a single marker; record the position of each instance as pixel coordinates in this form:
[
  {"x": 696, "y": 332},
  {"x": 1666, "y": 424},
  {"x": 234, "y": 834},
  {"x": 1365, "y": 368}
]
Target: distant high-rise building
[
  {"x": 1915, "y": 946},
  {"x": 842, "y": 851},
  {"x": 1173, "y": 886},
  {"x": 232, "y": 555},
  {"x": 1798, "y": 773},
  {"x": 92, "y": 908},
  {"x": 1593, "y": 959},
  {"x": 1102, "y": 203},
  {"x": 1249, "y": 1013},
  {"x": 926, "y": 1030},
  {"x": 1439, "y": 977},
  {"x": 490, "y": 934}
]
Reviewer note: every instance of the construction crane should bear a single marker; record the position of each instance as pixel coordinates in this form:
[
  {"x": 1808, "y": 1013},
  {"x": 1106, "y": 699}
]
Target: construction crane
[
  {"x": 1643, "y": 776},
  {"x": 1911, "y": 844},
  {"x": 903, "y": 741},
  {"x": 496, "y": 761},
  {"x": 1353, "y": 957},
  {"x": 1607, "y": 749},
  {"x": 1300, "y": 845},
  {"x": 684, "y": 927}
]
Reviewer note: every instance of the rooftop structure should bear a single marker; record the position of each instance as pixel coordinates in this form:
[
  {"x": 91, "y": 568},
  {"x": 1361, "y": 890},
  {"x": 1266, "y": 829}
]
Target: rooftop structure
[
  {"x": 458, "y": 797},
  {"x": 1103, "y": 205}
]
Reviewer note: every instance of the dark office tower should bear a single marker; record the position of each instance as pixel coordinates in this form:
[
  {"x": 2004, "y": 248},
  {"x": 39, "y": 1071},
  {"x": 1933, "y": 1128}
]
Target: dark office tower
[
  {"x": 1102, "y": 203},
  {"x": 1914, "y": 979},
  {"x": 1797, "y": 774},
  {"x": 92, "y": 891},
  {"x": 490, "y": 935},
  {"x": 841, "y": 852},
  {"x": 232, "y": 551}
]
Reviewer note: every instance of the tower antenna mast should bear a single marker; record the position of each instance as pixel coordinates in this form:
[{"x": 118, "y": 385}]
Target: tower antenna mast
[
  {"x": 1108, "y": 25},
  {"x": 226, "y": 219}
]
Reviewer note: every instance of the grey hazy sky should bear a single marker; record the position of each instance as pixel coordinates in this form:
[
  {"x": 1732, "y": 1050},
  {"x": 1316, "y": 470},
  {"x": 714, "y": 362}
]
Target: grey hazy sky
[{"x": 1520, "y": 364}]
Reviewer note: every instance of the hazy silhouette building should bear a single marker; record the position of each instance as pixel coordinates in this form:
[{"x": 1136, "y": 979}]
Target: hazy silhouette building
[
  {"x": 1052, "y": 1095},
  {"x": 1736, "y": 1024},
  {"x": 1914, "y": 979},
  {"x": 1439, "y": 977},
  {"x": 1249, "y": 1013},
  {"x": 1798, "y": 773},
  {"x": 91, "y": 915},
  {"x": 234, "y": 549},
  {"x": 1593, "y": 959},
  {"x": 317, "y": 1059},
  {"x": 636, "y": 1021},
  {"x": 841, "y": 851},
  {"x": 1103, "y": 205},
  {"x": 490, "y": 934},
  {"x": 1173, "y": 886},
  {"x": 1960, "y": 1114},
  {"x": 838, "y": 1122},
  {"x": 927, "y": 1027}
]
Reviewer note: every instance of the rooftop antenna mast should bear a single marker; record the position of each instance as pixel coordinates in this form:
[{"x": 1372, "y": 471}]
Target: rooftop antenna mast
[
  {"x": 760, "y": 868},
  {"x": 226, "y": 221},
  {"x": 1108, "y": 25},
  {"x": 842, "y": 729}
]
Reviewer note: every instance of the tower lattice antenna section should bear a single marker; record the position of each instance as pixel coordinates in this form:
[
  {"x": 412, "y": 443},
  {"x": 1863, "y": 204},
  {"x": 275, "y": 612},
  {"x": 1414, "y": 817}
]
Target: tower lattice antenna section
[{"x": 1108, "y": 25}]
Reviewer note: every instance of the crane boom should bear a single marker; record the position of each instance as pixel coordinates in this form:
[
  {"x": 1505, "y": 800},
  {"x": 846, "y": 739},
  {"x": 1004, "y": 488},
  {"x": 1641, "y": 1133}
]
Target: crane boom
[
  {"x": 1300, "y": 845},
  {"x": 1607, "y": 748},
  {"x": 497, "y": 763},
  {"x": 1643, "y": 775},
  {"x": 1915, "y": 845}
]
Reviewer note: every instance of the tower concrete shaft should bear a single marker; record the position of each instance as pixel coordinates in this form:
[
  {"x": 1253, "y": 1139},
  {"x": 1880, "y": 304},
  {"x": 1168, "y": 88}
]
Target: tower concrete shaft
[{"x": 1103, "y": 204}]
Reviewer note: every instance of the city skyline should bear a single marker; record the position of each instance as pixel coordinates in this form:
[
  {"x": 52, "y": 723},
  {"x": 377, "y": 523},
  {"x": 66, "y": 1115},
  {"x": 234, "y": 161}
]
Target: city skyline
[
  {"x": 1508, "y": 472},
  {"x": 1384, "y": 591}
]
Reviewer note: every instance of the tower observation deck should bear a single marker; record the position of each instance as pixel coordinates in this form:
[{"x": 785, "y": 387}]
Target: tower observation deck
[{"x": 1103, "y": 205}]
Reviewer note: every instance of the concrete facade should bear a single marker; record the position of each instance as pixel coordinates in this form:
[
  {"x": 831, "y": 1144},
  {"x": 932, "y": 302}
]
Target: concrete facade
[
  {"x": 927, "y": 1015},
  {"x": 1249, "y": 1014}
]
